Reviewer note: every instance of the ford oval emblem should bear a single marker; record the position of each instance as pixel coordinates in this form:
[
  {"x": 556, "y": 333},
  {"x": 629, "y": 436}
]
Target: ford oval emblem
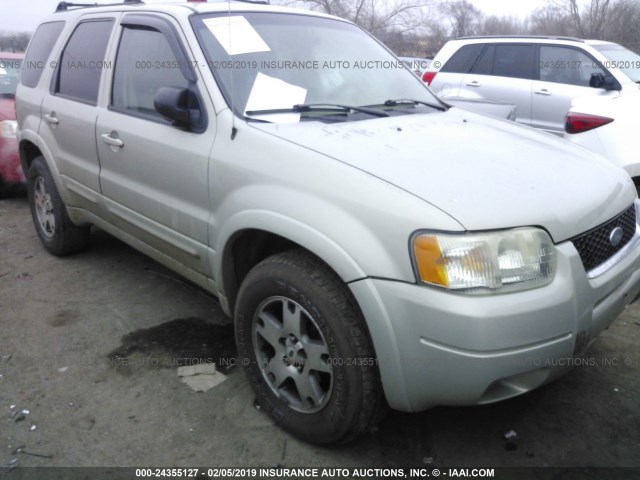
[{"x": 615, "y": 237}]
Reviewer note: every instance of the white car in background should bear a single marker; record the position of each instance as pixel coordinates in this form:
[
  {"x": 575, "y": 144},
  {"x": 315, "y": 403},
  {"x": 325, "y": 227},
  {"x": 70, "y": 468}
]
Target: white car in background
[
  {"x": 608, "y": 126},
  {"x": 586, "y": 90}
]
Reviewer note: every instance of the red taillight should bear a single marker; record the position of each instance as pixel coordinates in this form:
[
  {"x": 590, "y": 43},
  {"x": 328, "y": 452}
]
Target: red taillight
[
  {"x": 428, "y": 77},
  {"x": 583, "y": 122}
]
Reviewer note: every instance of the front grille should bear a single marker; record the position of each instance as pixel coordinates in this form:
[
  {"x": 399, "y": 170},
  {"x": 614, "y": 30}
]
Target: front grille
[{"x": 594, "y": 246}]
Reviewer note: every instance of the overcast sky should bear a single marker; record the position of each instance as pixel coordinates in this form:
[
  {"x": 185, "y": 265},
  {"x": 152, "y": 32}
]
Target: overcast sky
[{"x": 25, "y": 15}]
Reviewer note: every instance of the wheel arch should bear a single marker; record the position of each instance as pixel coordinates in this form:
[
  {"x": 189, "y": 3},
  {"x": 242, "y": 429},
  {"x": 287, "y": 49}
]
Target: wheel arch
[
  {"x": 28, "y": 152},
  {"x": 257, "y": 235}
]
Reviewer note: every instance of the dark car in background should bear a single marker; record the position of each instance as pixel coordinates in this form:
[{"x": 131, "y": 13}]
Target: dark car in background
[{"x": 11, "y": 175}]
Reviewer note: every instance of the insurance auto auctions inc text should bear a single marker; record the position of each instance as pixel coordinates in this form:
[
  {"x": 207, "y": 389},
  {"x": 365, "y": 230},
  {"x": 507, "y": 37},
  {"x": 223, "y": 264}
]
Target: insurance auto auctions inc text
[{"x": 373, "y": 472}]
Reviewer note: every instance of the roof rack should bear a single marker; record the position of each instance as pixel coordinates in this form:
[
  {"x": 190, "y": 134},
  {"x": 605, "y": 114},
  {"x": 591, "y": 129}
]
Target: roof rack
[
  {"x": 257, "y": 2},
  {"x": 539, "y": 37},
  {"x": 63, "y": 6}
]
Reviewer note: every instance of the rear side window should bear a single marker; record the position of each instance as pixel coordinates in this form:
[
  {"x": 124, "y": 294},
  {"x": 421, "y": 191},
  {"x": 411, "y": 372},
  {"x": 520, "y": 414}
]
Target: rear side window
[
  {"x": 38, "y": 53},
  {"x": 485, "y": 64},
  {"x": 515, "y": 61},
  {"x": 78, "y": 76},
  {"x": 464, "y": 59}
]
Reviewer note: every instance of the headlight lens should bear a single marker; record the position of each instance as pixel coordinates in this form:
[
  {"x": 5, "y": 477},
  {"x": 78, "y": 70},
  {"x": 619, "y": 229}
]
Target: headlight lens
[
  {"x": 8, "y": 128},
  {"x": 482, "y": 263}
]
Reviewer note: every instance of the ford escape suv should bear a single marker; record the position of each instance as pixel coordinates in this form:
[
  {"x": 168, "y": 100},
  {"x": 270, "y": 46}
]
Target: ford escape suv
[{"x": 373, "y": 245}]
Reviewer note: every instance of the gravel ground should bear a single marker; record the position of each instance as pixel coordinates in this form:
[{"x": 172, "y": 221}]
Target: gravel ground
[{"x": 88, "y": 378}]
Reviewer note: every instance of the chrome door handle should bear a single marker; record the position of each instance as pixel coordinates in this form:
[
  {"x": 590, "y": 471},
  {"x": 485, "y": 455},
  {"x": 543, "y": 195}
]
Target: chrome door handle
[
  {"x": 109, "y": 140},
  {"x": 544, "y": 91},
  {"x": 472, "y": 84},
  {"x": 52, "y": 119}
]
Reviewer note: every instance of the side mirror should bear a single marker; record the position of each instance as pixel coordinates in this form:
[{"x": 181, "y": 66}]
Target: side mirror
[
  {"x": 180, "y": 105},
  {"x": 606, "y": 81}
]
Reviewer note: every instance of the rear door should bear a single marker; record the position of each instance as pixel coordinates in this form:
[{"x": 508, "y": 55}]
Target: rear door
[
  {"x": 447, "y": 81},
  {"x": 69, "y": 112},
  {"x": 154, "y": 175},
  {"x": 504, "y": 73},
  {"x": 563, "y": 74}
]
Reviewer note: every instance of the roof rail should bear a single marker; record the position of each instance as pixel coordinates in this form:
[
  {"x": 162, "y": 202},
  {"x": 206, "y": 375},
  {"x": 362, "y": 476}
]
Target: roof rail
[
  {"x": 257, "y": 2},
  {"x": 539, "y": 37},
  {"x": 63, "y": 6}
]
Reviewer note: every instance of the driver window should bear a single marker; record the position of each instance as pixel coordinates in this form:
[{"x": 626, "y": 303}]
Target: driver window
[
  {"x": 566, "y": 65},
  {"x": 145, "y": 63}
]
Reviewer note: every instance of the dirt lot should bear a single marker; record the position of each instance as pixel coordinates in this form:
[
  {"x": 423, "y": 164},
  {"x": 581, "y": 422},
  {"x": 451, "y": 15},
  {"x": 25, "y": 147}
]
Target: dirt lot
[{"x": 89, "y": 346}]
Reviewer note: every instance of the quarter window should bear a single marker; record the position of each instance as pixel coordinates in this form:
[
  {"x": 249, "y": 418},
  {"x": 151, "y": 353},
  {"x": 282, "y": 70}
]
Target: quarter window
[
  {"x": 82, "y": 61},
  {"x": 463, "y": 59},
  {"x": 144, "y": 64},
  {"x": 39, "y": 51}
]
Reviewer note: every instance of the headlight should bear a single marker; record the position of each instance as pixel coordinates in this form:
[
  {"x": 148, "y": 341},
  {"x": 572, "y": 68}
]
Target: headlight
[
  {"x": 8, "y": 128},
  {"x": 482, "y": 263}
]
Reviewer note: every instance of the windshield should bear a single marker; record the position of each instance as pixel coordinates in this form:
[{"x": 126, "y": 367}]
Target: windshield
[
  {"x": 621, "y": 58},
  {"x": 9, "y": 76},
  {"x": 269, "y": 62}
]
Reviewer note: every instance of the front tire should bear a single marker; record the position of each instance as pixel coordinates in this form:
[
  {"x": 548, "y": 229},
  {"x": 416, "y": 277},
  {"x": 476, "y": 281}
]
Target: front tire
[
  {"x": 55, "y": 229},
  {"x": 306, "y": 349}
]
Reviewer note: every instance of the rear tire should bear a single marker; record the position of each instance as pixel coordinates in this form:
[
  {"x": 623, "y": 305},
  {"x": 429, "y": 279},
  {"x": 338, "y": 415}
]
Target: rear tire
[
  {"x": 55, "y": 229},
  {"x": 306, "y": 349}
]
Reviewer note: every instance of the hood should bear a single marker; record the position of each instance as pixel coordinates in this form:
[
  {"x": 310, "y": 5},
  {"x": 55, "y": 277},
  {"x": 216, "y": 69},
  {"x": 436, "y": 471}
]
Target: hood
[{"x": 486, "y": 173}]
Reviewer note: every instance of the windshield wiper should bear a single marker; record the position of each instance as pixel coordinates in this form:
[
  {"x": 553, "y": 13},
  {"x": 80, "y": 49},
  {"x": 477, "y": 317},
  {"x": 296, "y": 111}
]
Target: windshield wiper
[
  {"x": 319, "y": 107},
  {"x": 404, "y": 101}
]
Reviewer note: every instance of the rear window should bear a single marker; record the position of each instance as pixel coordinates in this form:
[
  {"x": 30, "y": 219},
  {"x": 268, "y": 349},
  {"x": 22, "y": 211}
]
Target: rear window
[
  {"x": 463, "y": 59},
  {"x": 38, "y": 53}
]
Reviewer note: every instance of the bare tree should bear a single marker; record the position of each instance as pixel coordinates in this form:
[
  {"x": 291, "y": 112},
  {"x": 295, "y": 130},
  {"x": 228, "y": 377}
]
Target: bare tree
[
  {"x": 589, "y": 20},
  {"x": 505, "y": 25},
  {"x": 622, "y": 24},
  {"x": 436, "y": 37},
  {"x": 14, "y": 41},
  {"x": 380, "y": 17},
  {"x": 464, "y": 17},
  {"x": 613, "y": 20},
  {"x": 551, "y": 20}
]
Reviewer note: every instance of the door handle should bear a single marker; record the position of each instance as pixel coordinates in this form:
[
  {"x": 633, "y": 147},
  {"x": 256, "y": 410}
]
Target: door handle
[
  {"x": 544, "y": 92},
  {"x": 472, "y": 84},
  {"x": 52, "y": 119},
  {"x": 113, "y": 141}
]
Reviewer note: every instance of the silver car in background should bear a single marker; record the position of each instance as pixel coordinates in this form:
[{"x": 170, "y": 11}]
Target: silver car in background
[{"x": 540, "y": 75}]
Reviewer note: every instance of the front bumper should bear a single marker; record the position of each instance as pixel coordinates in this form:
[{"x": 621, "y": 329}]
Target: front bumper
[{"x": 435, "y": 347}]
